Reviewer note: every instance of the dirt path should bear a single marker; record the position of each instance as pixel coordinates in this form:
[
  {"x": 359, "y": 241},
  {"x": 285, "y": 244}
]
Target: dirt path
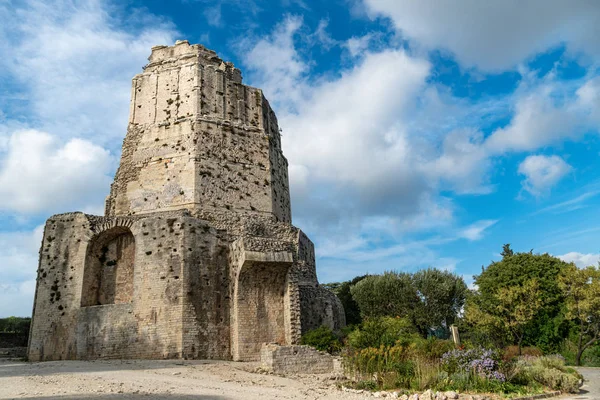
[{"x": 157, "y": 380}]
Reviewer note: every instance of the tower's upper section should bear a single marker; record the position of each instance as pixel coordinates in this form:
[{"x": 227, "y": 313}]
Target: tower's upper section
[{"x": 199, "y": 139}]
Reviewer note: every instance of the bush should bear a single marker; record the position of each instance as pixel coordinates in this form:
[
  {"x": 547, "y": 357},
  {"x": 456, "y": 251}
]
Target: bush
[
  {"x": 382, "y": 331},
  {"x": 511, "y": 352},
  {"x": 322, "y": 339},
  {"x": 549, "y": 371},
  {"x": 478, "y": 362}
]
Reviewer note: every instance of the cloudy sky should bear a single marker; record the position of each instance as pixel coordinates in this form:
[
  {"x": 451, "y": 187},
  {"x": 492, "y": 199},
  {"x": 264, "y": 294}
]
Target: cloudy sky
[{"x": 419, "y": 132}]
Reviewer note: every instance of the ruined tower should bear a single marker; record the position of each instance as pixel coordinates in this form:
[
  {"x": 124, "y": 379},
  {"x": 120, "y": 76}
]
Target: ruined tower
[{"x": 196, "y": 256}]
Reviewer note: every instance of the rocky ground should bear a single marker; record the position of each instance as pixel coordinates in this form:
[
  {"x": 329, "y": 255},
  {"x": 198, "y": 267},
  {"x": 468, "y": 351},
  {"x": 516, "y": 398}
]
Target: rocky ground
[{"x": 173, "y": 380}]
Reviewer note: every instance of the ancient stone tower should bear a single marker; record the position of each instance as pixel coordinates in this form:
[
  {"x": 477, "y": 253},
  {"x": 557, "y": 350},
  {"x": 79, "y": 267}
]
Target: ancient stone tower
[{"x": 196, "y": 256}]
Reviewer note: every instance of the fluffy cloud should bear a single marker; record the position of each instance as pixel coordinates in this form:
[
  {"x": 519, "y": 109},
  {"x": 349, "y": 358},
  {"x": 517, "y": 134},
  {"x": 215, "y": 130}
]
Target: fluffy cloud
[
  {"x": 71, "y": 70},
  {"x": 494, "y": 35},
  {"x": 38, "y": 174},
  {"x": 542, "y": 173},
  {"x": 581, "y": 260},
  {"x": 18, "y": 261},
  {"x": 72, "y": 65}
]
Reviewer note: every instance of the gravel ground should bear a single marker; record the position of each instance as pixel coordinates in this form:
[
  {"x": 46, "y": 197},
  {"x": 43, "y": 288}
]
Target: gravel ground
[
  {"x": 182, "y": 380},
  {"x": 157, "y": 380}
]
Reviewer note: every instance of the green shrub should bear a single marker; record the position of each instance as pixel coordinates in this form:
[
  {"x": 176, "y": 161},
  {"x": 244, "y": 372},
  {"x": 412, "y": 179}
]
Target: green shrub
[
  {"x": 549, "y": 371},
  {"x": 323, "y": 339},
  {"x": 382, "y": 331}
]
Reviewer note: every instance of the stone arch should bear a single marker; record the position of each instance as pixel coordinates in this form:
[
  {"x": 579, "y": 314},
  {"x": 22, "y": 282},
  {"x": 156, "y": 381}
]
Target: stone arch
[
  {"x": 108, "y": 271},
  {"x": 260, "y": 307}
]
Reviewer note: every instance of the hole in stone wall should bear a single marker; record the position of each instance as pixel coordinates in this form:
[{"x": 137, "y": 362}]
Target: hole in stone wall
[{"x": 108, "y": 272}]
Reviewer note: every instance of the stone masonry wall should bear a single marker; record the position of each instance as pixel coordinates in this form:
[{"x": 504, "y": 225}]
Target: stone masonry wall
[
  {"x": 296, "y": 360},
  {"x": 199, "y": 139},
  {"x": 196, "y": 257},
  {"x": 180, "y": 290}
]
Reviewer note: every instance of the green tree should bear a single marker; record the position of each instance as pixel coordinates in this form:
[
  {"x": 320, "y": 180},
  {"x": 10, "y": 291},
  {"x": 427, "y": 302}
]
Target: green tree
[
  {"x": 507, "y": 251},
  {"x": 514, "y": 308},
  {"x": 441, "y": 297},
  {"x": 547, "y": 328},
  {"x": 431, "y": 299},
  {"x": 391, "y": 294},
  {"x": 581, "y": 288}
]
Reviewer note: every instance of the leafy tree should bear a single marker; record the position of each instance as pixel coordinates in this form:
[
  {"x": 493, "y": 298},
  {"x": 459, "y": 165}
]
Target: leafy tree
[
  {"x": 431, "y": 299},
  {"x": 514, "y": 308},
  {"x": 581, "y": 288},
  {"x": 391, "y": 294},
  {"x": 15, "y": 325},
  {"x": 441, "y": 297},
  {"x": 507, "y": 251},
  {"x": 546, "y": 328}
]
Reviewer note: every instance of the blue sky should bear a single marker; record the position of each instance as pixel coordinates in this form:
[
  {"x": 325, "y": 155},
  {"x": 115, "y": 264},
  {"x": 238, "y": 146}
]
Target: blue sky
[{"x": 419, "y": 133}]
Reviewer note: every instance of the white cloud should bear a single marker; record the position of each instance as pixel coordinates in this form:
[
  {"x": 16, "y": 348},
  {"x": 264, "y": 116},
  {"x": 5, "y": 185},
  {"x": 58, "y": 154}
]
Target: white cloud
[
  {"x": 358, "y": 45},
  {"x": 542, "y": 173},
  {"x": 74, "y": 66},
  {"x": 476, "y": 230},
  {"x": 281, "y": 68},
  {"x": 18, "y": 262},
  {"x": 580, "y": 259},
  {"x": 545, "y": 113},
  {"x": 38, "y": 173},
  {"x": 494, "y": 35}
]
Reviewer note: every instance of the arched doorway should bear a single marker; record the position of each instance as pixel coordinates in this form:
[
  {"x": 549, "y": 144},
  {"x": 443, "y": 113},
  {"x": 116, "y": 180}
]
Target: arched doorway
[{"x": 108, "y": 272}]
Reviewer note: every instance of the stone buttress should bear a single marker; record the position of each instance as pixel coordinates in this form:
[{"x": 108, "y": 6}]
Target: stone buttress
[{"x": 196, "y": 256}]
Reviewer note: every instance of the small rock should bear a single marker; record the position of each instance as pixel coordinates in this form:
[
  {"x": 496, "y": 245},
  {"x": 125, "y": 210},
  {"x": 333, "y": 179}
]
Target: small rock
[
  {"x": 414, "y": 397},
  {"x": 427, "y": 395},
  {"x": 404, "y": 397},
  {"x": 393, "y": 395},
  {"x": 176, "y": 373},
  {"x": 451, "y": 395}
]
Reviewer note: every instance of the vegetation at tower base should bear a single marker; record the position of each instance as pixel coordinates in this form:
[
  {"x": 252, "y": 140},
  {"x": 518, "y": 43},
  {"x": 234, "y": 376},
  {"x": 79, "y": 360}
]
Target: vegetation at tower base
[
  {"x": 431, "y": 299},
  {"x": 524, "y": 310}
]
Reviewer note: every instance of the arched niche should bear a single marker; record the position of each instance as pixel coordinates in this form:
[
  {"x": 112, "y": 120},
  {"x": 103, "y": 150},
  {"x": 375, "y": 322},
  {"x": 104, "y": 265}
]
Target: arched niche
[{"x": 108, "y": 272}]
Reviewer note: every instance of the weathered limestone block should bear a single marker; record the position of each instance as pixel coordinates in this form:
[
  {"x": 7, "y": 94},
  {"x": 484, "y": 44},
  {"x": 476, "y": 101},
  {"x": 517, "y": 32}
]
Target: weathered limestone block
[
  {"x": 297, "y": 360},
  {"x": 196, "y": 256}
]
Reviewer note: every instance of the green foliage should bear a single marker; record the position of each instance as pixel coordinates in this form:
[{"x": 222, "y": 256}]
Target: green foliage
[
  {"x": 581, "y": 288},
  {"x": 549, "y": 371},
  {"x": 15, "y": 325},
  {"x": 431, "y": 299},
  {"x": 539, "y": 322},
  {"x": 381, "y": 331},
  {"x": 441, "y": 297},
  {"x": 323, "y": 339},
  {"x": 391, "y": 294}
]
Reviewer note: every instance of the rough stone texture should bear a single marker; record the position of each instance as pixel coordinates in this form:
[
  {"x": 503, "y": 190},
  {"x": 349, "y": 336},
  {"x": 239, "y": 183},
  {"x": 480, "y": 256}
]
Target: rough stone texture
[
  {"x": 196, "y": 256},
  {"x": 297, "y": 360}
]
